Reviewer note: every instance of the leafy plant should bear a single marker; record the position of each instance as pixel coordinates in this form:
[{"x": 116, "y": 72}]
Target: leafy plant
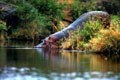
[
  {"x": 95, "y": 38},
  {"x": 91, "y": 27},
  {"x": 79, "y": 39},
  {"x": 2, "y": 29},
  {"x": 49, "y": 7},
  {"x": 2, "y": 26},
  {"x": 37, "y": 16},
  {"x": 79, "y": 7}
]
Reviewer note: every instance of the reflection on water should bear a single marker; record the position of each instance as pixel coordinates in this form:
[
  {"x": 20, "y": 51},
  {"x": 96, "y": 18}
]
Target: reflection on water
[{"x": 39, "y": 64}]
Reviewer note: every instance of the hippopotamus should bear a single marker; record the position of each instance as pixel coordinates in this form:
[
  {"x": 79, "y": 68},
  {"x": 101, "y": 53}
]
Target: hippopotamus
[{"x": 51, "y": 41}]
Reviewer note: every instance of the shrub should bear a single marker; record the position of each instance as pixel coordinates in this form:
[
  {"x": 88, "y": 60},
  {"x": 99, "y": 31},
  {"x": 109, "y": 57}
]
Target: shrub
[
  {"x": 29, "y": 17},
  {"x": 26, "y": 12},
  {"x": 2, "y": 26},
  {"x": 79, "y": 7},
  {"x": 79, "y": 39},
  {"x": 35, "y": 15},
  {"x": 2, "y": 29},
  {"x": 95, "y": 38},
  {"x": 49, "y": 7},
  {"x": 107, "y": 40}
]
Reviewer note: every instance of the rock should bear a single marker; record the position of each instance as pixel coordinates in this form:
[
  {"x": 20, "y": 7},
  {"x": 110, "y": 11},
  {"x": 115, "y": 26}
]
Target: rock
[{"x": 6, "y": 10}]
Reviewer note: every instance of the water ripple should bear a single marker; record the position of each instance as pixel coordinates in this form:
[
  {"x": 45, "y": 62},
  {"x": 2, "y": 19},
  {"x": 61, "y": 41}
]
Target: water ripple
[{"x": 24, "y": 73}]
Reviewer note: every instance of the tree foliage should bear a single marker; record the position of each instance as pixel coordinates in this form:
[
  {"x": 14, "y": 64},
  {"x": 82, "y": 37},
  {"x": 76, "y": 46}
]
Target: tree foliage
[{"x": 36, "y": 15}]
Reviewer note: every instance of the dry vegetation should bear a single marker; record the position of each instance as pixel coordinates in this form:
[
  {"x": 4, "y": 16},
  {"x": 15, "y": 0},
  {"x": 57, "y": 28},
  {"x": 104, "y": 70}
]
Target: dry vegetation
[{"x": 95, "y": 38}]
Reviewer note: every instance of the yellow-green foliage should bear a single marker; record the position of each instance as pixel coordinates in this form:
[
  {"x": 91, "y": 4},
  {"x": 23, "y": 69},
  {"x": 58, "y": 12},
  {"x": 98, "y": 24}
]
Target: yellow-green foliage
[
  {"x": 107, "y": 40},
  {"x": 79, "y": 38},
  {"x": 2, "y": 28},
  {"x": 79, "y": 7},
  {"x": 95, "y": 38},
  {"x": 26, "y": 32},
  {"x": 35, "y": 18}
]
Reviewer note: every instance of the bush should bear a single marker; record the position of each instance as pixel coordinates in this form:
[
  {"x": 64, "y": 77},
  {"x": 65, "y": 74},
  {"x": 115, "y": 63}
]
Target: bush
[
  {"x": 37, "y": 16},
  {"x": 2, "y": 26},
  {"x": 108, "y": 40},
  {"x": 2, "y": 29},
  {"x": 95, "y": 38},
  {"x": 28, "y": 26},
  {"x": 26, "y": 12},
  {"x": 49, "y": 7},
  {"x": 79, "y": 39},
  {"x": 79, "y": 7}
]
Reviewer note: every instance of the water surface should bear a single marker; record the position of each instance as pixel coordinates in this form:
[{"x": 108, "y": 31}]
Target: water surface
[{"x": 19, "y": 61}]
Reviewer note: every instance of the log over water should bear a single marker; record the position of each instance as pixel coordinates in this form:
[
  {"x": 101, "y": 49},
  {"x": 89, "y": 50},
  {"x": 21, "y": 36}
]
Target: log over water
[{"x": 51, "y": 41}]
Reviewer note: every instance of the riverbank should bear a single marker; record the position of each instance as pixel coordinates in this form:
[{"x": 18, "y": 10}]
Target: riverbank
[
  {"x": 95, "y": 38},
  {"x": 34, "y": 20}
]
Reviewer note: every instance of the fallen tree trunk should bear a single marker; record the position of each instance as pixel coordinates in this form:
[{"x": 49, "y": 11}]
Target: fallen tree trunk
[{"x": 51, "y": 40}]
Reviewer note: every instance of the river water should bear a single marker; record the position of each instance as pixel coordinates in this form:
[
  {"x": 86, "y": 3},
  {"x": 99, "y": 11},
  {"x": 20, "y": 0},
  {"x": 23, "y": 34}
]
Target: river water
[{"x": 19, "y": 61}]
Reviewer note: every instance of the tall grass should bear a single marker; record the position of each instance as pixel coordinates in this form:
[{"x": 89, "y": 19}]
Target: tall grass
[
  {"x": 107, "y": 40},
  {"x": 96, "y": 38},
  {"x": 79, "y": 39}
]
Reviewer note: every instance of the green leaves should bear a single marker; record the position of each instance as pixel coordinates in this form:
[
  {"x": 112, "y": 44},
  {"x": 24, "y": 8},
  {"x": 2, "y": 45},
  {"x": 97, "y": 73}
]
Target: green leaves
[
  {"x": 79, "y": 7},
  {"x": 2, "y": 26},
  {"x": 26, "y": 11},
  {"x": 91, "y": 27},
  {"x": 48, "y": 7}
]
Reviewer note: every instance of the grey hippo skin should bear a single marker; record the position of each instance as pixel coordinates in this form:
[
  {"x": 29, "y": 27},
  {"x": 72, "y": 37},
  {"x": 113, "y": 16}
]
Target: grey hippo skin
[{"x": 51, "y": 41}]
